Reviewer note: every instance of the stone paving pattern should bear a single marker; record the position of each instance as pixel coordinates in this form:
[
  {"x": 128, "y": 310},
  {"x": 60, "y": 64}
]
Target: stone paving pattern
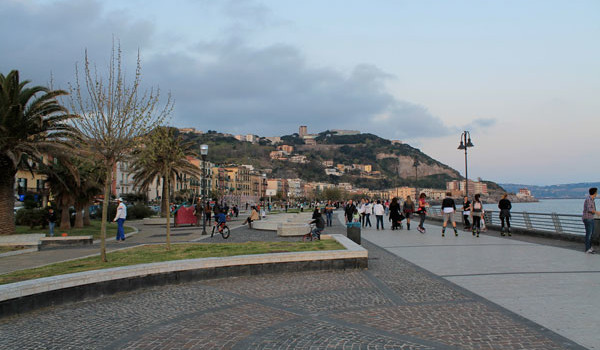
[{"x": 392, "y": 305}]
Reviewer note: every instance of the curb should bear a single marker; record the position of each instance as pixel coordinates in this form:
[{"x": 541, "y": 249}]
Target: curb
[{"x": 32, "y": 294}]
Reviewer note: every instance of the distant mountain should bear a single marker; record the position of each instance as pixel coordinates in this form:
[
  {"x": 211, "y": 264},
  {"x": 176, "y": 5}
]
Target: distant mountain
[
  {"x": 576, "y": 190},
  {"x": 392, "y": 163}
]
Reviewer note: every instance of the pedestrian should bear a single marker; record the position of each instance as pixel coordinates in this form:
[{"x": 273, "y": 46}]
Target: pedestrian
[
  {"x": 349, "y": 211},
  {"x": 51, "y": 221},
  {"x": 448, "y": 210},
  {"x": 120, "y": 219},
  {"x": 476, "y": 214},
  {"x": 589, "y": 210},
  {"x": 367, "y": 213},
  {"x": 198, "y": 211},
  {"x": 422, "y": 211},
  {"x": 329, "y": 213},
  {"x": 466, "y": 211},
  {"x": 395, "y": 215},
  {"x": 207, "y": 213},
  {"x": 408, "y": 208},
  {"x": 378, "y": 210},
  {"x": 504, "y": 205}
]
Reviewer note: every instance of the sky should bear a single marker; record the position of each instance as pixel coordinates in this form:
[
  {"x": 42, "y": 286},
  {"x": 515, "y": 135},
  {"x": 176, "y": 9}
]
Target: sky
[{"x": 523, "y": 77}]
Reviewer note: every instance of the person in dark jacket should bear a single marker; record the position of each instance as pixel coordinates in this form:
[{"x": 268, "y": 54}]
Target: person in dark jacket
[
  {"x": 349, "y": 211},
  {"x": 466, "y": 211},
  {"x": 51, "y": 221},
  {"x": 504, "y": 205},
  {"x": 408, "y": 208},
  {"x": 319, "y": 224},
  {"x": 395, "y": 215},
  {"x": 448, "y": 210}
]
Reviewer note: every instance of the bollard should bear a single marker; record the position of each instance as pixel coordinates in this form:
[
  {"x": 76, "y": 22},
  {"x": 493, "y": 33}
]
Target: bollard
[
  {"x": 596, "y": 233},
  {"x": 353, "y": 231}
]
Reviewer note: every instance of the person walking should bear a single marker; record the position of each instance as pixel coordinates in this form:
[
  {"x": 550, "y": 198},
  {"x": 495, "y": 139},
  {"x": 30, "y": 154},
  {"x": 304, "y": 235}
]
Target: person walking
[
  {"x": 198, "y": 212},
  {"x": 408, "y": 208},
  {"x": 378, "y": 210},
  {"x": 395, "y": 215},
  {"x": 349, "y": 211},
  {"x": 476, "y": 214},
  {"x": 466, "y": 211},
  {"x": 504, "y": 205},
  {"x": 422, "y": 211},
  {"x": 448, "y": 210},
  {"x": 207, "y": 213},
  {"x": 120, "y": 219},
  {"x": 51, "y": 221},
  {"x": 589, "y": 210},
  {"x": 368, "y": 210},
  {"x": 329, "y": 213}
]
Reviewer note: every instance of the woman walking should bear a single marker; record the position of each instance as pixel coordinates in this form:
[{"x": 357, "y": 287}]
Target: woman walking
[
  {"x": 422, "y": 211},
  {"x": 504, "y": 205},
  {"x": 476, "y": 213},
  {"x": 466, "y": 209},
  {"x": 408, "y": 208},
  {"x": 395, "y": 215}
]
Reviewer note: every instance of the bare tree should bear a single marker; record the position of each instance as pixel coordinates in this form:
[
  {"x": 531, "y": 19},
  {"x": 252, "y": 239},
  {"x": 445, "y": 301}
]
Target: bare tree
[{"x": 113, "y": 112}]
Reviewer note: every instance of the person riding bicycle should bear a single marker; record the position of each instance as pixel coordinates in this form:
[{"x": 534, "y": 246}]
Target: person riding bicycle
[
  {"x": 319, "y": 225},
  {"x": 221, "y": 221}
]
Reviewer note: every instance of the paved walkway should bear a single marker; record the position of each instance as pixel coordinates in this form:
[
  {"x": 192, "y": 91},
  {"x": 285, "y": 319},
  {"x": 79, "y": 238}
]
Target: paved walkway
[
  {"x": 392, "y": 305},
  {"x": 553, "y": 286}
]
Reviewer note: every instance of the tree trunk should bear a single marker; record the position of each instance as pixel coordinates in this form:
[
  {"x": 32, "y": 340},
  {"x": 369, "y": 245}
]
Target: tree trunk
[
  {"x": 86, "y": 215},
  {"x": 165, "y": 206},
  {"x": 7, "y": 198},
  {"x": 166, "y": 196},
  {"x": 79, "y": 215},
  {"x": 65, "y": 218},
  {"x": 108, "y": 180}
]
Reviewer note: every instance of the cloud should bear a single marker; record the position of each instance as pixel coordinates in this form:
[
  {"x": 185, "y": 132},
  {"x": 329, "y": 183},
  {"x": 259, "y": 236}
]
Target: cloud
[{"x": 226, "y": 84}]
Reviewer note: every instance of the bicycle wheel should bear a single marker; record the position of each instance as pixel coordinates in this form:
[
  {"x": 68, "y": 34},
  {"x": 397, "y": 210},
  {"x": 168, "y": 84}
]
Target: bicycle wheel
[
  {"x": 307, "y": 237},
  {"x": 225, "y": 232}
]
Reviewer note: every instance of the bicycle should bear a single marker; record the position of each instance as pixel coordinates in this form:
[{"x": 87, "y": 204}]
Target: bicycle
[
  {"x": 310, "y": 236},
  {"x": 222, "y": 228}
]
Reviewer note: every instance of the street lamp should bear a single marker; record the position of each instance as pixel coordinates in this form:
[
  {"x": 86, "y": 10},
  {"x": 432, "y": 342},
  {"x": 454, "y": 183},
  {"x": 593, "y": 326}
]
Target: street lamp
[
  {"x": 465, "y": 143},
  {"x": 416, "y": 165},
  {"x": 203, "y": 154}
]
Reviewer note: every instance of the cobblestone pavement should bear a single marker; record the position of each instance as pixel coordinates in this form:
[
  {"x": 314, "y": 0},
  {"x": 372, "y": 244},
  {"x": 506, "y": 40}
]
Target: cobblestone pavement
[{"x": 392, "y": 305}]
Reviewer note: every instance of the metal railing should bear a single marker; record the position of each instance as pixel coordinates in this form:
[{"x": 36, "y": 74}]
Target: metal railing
[{"x": 542, "y": 222}]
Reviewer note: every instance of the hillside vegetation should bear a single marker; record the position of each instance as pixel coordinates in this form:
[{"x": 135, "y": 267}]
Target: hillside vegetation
[{"x": 392, "y": 163}]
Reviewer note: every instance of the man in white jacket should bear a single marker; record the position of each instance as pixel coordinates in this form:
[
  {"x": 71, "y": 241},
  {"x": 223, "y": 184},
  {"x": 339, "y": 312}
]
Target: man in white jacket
[
  {"x": 378, "y": 210},
  {"x": 120, "y": 219}
]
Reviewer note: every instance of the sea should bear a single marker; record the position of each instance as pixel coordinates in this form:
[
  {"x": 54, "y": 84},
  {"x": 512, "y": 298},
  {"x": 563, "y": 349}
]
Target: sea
[{"x": 547, "y": 206}]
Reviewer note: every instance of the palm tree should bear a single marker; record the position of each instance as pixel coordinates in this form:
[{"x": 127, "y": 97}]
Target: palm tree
[
  {"x": 32, "y": 123},
  {"x": 163, "y": 156}
]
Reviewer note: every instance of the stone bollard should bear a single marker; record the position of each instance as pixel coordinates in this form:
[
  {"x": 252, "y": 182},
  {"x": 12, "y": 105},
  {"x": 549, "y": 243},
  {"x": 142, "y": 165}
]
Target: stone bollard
[
  {"x": 596, "y": 233},
  {"x": 353, "y": 231}
]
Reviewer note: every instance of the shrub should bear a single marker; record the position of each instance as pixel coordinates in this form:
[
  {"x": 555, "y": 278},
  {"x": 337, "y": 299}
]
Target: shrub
[
  {"x": 32, "y": 217},
  {"x": 138, "y": 211}
]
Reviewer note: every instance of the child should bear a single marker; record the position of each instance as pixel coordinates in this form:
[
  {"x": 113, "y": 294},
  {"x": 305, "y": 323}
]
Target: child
[{"x": 221, "y": 221}]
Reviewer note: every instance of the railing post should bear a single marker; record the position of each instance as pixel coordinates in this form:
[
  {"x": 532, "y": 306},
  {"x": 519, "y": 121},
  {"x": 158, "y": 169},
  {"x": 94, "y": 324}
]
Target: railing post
[
  {"x": 556, "y": 221},
  {"x": 527, "y": 221},
  {"x": 487, "y": 216}
]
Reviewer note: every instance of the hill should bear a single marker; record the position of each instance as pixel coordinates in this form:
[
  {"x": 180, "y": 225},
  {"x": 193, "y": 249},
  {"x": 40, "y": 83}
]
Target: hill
[
  {"x": 574, "y": 190},
  {"x": 391, "y": 164}
]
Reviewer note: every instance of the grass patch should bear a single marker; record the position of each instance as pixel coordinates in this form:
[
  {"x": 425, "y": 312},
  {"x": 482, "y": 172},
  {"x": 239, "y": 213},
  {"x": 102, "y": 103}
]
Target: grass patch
[
  {"x": 92, "y": 230},
  {"x": 157, "y": 253}
]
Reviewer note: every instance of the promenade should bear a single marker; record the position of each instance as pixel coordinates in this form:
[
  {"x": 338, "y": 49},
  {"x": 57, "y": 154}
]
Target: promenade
[{"x": 420, "y": 292}]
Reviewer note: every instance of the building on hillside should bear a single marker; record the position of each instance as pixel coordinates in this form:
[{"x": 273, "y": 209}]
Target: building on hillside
[
  {"x": 402, "y": 192},
  {"x": 327, "y": 163},
  {"x": 346, "y": 186},
  {"x": 274, "y": 139},
  {"x": 366, "y": 168},
  {"x": 310, "y": 142},
  {"x": 332, "y": 171},
  {"x": 396, "y": 142},
  {"x": 295, "y": 188},
  {"x": 433, "y": 193},
  {"x": 278, "y": 155},
  {"x": 298, "y": 159},
  {"x": 302, "y": 131},
  {"x": 524, "y": 193},
  {"x": 280, "y": 186},
  {"x": 474, "y": 187},
  {"x": 190, "y": 130},
  {"x": 287, "y": 149}
]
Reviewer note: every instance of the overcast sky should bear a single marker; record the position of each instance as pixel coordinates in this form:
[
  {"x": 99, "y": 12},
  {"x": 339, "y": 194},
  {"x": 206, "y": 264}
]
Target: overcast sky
[{"x": 522, "y": 76}]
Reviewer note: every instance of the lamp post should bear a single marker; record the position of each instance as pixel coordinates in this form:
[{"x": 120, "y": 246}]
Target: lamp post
[
  {"x": 203, "y": 154},
  {"x": 465, "y": 143},
  {"x": 416, "y": 165}
]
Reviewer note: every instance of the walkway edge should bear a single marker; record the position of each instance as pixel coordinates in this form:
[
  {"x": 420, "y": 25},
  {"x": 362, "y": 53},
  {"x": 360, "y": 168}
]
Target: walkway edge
[{"x": 32, "y": 294}]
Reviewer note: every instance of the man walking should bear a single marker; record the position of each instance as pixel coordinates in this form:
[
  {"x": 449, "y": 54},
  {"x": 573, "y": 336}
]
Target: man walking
[
  {"x": 51, "y": 221},
  {"x": 349, "y": 211},
  {"x": 589, "y": 210},
  {"x": 120, "y": 219},
  {"x": 448, "y": 210},
  {"x": 378, "y": 210}
]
